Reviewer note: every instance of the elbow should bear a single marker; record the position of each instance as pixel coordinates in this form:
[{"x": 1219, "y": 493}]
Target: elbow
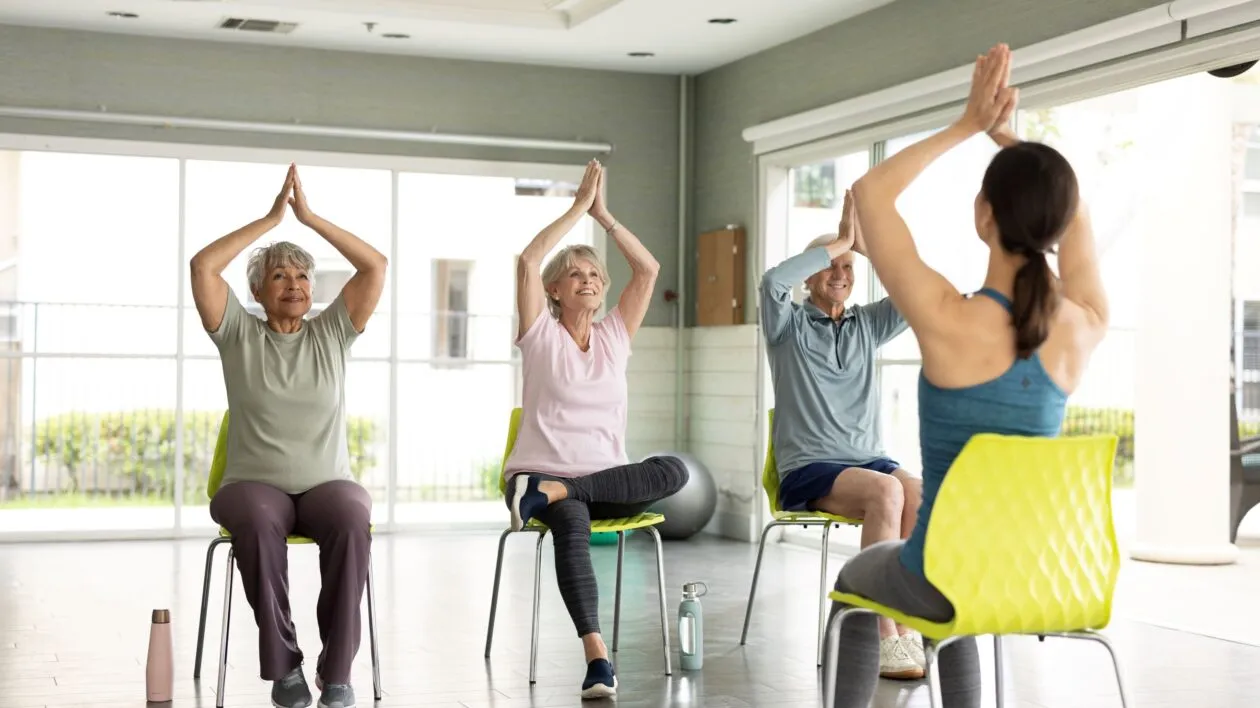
[
  {"x": 197, "y": 266},
  {"x": 650, "y": 267}
]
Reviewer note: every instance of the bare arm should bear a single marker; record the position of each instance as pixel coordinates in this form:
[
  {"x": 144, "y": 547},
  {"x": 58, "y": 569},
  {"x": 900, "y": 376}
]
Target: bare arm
[
  {"x": 1079, "y": 273},
  {"x": 531, "y": 296},
  {"x": 209, "y": 289},
  {"x": 363, "y": 291},
  {"x": 636, "y": 297},
  {"x": 921, "y": 294}
]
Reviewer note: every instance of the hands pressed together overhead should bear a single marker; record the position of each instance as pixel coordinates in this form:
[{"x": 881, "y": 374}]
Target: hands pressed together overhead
[
  {"x": 592, "y": 194},
  {"x": 292, "y": 196}
]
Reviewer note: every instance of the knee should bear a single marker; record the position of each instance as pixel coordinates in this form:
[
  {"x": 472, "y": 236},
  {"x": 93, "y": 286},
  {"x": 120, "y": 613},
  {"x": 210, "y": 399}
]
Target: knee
[
  {"x": 676, "y": 472},
  {"x": 886, "y": 495},
  {"x": 912, "y": 490}
]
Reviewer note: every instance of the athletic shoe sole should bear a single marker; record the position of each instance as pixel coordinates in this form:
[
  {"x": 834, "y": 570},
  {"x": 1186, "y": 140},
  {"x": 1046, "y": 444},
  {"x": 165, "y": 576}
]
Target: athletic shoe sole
[{"x": 601, "y": 690}]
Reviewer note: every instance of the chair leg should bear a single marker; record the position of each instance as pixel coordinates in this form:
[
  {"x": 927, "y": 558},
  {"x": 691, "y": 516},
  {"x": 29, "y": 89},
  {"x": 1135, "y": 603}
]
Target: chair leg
[
  {"x": 227, "y": 621},
  {"x": 494, "y": 594},
  {"x": 931, "y": 652},
  {"x": 752, "y": 592},
  {"x": 376, "y": 656},
  {"x": 621, "y": 548},
  {"x": 822, "y": 591},
  {"x": 533, "y": 648},
  {"x": 1115, "y": 659},
  {"x": 998, "y": 677},
  {"x": 660, "y": 576},
  {"x": 205, "y": 603}
]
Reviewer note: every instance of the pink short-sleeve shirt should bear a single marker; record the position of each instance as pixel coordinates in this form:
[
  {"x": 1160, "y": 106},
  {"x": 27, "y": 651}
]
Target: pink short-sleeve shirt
[{"x": 574, "y": 402}]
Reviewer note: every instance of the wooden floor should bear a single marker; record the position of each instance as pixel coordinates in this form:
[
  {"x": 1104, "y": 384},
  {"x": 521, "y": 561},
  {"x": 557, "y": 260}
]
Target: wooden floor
[{"x": 74, "y": 622}]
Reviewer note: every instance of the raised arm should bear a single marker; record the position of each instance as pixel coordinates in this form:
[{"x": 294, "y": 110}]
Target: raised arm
[
  {"x": 209, "y": 289},
  {"x": 531, "y": 296},
  {"x": 920, "y": 293},
  {"x": 363, "y": 291},
  {"x": 1079, "y": 276},
  {"x": 636, "y": 296},
  {"x": 779, "y": 281}
]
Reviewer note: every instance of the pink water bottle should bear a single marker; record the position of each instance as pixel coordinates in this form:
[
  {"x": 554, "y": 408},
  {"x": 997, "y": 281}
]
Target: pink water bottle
[{"x": 159, "y": 669}]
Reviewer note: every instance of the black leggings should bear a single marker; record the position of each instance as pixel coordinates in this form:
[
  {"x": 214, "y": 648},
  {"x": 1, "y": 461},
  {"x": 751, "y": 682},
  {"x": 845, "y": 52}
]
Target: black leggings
[{"x": 613, "y": 493}]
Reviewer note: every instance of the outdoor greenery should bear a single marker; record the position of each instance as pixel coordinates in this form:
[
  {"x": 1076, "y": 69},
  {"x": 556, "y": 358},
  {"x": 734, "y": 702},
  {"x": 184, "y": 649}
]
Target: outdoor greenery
[{"x": 136, "y": 451}]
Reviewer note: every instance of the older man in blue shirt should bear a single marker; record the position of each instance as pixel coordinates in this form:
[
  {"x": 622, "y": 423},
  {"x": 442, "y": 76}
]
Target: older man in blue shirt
[{"x": 826, "y": 422}]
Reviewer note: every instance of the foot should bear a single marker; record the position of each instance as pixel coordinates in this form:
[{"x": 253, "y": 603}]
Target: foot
[
  {"x": 914, "y": 646},
  {"x": 527, "y": 501},
  {"x": 895, "y": 661},
  {"x": 291, "y": 691},
  {"x": 336, "y": 695},
  {"x": 601, "y": 680}
]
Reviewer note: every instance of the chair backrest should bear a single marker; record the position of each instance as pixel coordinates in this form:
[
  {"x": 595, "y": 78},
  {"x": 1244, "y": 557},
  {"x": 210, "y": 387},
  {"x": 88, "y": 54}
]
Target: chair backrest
[
  {"x": 219, "y": 462},
  {"x": 514, "y": 426},
  {"x": 770, "y": 473},
  {"x": 1021, "y": 538}
]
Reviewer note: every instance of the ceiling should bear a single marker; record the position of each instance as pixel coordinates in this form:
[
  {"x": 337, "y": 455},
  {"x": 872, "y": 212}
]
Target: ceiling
[{"x": 582, "y": 33}]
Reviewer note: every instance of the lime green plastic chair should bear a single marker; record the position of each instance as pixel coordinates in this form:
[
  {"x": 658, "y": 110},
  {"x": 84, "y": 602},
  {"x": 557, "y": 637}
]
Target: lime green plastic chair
[
  {"x": 1021, "y": 542},
  {"x": 770, "y": 483},
  {"x": 217, "y": 466},
  {"x": 620, "y": 527}
]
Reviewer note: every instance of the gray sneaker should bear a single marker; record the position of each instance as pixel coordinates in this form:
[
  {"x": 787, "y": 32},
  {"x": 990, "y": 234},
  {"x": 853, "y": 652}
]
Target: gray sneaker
[
  {"x": 291, "y": 691},
  {"x": 336, "y": 695}
]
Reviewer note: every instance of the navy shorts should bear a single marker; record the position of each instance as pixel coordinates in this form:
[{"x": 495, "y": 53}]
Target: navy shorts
[{"x": 813, "y": 481}]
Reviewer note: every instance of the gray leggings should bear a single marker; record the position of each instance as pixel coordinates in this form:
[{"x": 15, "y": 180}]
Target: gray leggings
[
  {"x": 877, "y": 573},
  {"x": 610, "y": 494}
]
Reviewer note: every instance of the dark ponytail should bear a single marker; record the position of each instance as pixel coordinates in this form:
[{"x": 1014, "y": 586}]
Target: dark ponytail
[
  {"x": 1032, "y": 192},
  {"x": 1036, "y": 302}
]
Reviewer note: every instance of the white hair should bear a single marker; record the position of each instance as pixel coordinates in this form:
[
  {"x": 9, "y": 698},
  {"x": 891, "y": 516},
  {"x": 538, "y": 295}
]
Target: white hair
[
  {"x": 821, "y": 241},
  {"x": 567, "y": 258},
  {"x": 277, "y": 255}
]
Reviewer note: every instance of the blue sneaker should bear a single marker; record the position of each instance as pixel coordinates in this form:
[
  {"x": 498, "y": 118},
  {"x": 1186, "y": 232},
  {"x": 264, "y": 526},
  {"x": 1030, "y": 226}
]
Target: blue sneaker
[
  {"x": 601, "y": 680},
  {"x": 527, "y": 501}
]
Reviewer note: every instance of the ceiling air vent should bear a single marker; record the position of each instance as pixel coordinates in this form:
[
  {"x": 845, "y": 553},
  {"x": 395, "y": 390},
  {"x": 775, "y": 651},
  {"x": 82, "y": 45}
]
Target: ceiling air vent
[{"x": 250, "y": 25}]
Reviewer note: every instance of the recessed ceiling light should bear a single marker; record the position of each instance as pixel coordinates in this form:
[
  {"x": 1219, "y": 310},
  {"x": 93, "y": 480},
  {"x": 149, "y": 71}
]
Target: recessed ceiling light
[
  {"x": 123, "y": 15},
  {"x": 721, "y": 20},
  {"x": 641, "y": 54},
  {"x": 396, "y": 35}
]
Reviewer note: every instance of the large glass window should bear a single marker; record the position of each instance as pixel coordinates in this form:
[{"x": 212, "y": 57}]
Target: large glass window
[{"x": 91, "y": 389}]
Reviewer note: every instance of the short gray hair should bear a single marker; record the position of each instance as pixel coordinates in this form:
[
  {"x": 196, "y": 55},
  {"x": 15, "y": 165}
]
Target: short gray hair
[
  {"x": 821, "y": 241},
  {"x": 566, "y": 259},
  {"x": 277, "y": 255}
]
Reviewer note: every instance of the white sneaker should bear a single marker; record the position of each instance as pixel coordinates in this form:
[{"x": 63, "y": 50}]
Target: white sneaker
[
  {"x": 895, "y": 661},
  {"x": 914, "y": 645}
]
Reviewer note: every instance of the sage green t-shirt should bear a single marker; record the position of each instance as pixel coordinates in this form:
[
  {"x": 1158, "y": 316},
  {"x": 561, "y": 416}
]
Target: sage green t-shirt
[{"x": 286, "y": 395}]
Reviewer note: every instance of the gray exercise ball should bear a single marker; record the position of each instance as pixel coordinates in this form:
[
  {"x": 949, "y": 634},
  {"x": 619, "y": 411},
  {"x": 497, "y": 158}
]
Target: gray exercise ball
[{"x": 687, "y": 512}]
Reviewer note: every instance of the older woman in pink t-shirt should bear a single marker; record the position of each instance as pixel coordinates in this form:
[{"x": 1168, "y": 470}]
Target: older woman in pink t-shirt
[{"x": 569, "y": 464}]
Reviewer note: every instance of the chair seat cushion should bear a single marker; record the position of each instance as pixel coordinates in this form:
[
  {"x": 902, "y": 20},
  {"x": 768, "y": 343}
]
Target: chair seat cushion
[
  {"x": 814, "y": 516},
  {"x": 291, "y": 540},
  {"x": 613, "y": 525}
]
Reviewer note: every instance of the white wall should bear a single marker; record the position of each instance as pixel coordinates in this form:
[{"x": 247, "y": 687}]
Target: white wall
[{"x": 722, "y": 421}]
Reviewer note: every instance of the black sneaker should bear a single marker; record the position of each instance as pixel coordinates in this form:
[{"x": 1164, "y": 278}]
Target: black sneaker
[{"x": 601, "y": 680}]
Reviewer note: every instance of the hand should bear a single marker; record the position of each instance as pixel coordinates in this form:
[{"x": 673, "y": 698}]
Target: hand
[
  {"x": 847, "y": 232},
  {"x": 599, "y": 208},
  {"x": 855, "y": 225},
  {"x": 1001, "y": 132},
  {"x": 298, "y": 200},
  {"x": 585, "y": 197},
  {"x": 276, "y": 215},
  {"x": 989, "y": 92}
]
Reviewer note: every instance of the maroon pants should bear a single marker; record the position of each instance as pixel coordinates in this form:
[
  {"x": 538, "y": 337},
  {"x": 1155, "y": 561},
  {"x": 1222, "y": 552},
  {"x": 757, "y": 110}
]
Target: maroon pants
[{"x": 337, "y": 516}]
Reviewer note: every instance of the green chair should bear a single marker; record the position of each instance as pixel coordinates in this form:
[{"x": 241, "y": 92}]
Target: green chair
[
  {"x": 770, "y": 483},
  {"x": 620, "y": 527},
  {"x": 1021, "y": 541},
  {"x": 217, "y": 467}
]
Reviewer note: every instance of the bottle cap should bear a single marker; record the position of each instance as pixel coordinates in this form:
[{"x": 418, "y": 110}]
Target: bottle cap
[
  {"x": 161, "y": 617},
  {"x": 695, "y": 589}
]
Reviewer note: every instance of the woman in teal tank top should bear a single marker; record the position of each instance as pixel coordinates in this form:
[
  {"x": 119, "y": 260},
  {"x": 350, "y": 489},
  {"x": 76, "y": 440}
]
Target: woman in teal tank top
[{"x": 1001, "y": 360}]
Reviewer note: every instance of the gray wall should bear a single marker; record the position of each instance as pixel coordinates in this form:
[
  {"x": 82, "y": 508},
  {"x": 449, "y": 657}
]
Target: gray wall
[
  {"x": 637, "y": 113},
  {"x": 895, "y": 43}
]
